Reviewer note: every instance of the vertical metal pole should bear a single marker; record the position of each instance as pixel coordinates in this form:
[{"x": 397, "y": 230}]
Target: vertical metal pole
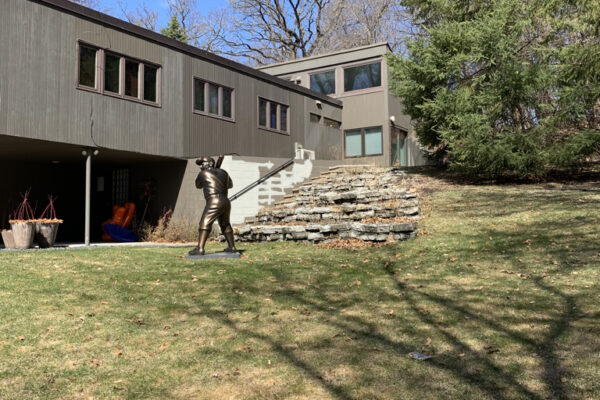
[{"x": 88, "y": 190}]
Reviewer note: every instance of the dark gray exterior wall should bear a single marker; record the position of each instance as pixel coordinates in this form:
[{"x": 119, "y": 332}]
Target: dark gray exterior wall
[
  {"x": 209, "y": 135},
  {"x": 39, "y": 95},
  {"x": 39, "y": 98}
]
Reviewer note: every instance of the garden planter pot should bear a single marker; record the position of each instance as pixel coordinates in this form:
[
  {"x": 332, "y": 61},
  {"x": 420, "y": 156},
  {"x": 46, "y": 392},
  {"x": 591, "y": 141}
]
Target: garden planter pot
[
  {"x": 45, "y": 233},
  {"x": 8, "y": 239},
  {"x": 23, "y": 232}
]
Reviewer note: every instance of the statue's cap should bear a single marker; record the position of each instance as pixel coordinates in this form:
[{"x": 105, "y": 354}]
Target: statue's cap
[{"x": 203, "y": 160}]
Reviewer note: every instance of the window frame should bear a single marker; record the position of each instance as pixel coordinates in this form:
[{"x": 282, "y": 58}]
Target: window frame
[
  {"x": 97, "y": 69},
  {"x": 220, "y": 107},
  {"x": 362, "y": 141},
  {"x": 100, "y": 78},
  {"x": 335, "y": 81},
  {"x": 278, "y": 106},
  {"x": 366, "y": 90}
]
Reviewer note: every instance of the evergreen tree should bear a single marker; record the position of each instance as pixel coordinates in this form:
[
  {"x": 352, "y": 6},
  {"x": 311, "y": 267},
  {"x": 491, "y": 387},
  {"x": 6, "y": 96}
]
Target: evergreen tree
[
  {"x": 504, "y": 86},
  {"x": 174, "y": 30}
]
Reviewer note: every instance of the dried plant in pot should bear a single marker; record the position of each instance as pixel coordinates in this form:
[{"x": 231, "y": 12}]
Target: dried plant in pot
[
  {"x": 23, "y": 224},
  {"x": 47, "y": 225},
  {"x": 8, "y": 239},
  {"x": 7, "y": 236}
]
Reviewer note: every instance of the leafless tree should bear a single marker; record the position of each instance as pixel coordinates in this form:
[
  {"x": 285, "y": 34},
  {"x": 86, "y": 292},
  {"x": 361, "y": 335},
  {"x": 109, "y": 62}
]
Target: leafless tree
[
  {"x": 142, "y": 16},
  {"x": 266, "y": 31},
  {"x": 352, "y": 23}
]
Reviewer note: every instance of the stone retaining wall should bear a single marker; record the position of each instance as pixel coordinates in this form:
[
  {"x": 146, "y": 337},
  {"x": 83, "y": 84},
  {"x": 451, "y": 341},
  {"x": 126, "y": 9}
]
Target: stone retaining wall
[{"x": 365, "y": 203}]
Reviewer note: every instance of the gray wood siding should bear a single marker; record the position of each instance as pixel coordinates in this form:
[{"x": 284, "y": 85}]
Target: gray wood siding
[
  {"x": 209, "y": 135},
  {"x": 39, "y": 98},
  {"x": 39, "y": 95}
]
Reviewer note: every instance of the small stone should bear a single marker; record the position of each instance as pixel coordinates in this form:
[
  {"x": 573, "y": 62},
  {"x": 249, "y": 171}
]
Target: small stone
[
  {"x": 299, "y": 235},
  {"x": 313, "y": 228},
  {"x": 315, "y": 236},
  {"x": 411, "y": 211},
  {"x": 406, "y": 227}
]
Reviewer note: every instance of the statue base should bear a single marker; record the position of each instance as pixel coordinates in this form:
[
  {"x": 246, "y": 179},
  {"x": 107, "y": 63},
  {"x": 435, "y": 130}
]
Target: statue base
[{"x": 221, "y": 254}]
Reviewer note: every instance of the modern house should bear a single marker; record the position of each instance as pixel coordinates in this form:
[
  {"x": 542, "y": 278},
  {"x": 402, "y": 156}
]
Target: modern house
[
  {"x": 375, "y": 128},
  {"x": 97, "y": 111}
]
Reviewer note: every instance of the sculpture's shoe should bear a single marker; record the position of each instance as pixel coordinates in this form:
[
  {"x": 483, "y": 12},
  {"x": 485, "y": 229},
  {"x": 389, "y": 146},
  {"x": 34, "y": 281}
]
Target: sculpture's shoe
[{"x": 196, "y": 252}]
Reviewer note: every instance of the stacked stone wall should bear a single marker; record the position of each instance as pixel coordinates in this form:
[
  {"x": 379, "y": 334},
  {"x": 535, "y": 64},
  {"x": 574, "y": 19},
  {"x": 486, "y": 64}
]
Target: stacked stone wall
[{"x": 346, "y": 202}]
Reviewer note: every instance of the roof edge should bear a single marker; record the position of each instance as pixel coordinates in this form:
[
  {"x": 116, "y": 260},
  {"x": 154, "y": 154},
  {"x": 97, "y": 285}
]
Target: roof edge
[
  {"x": 113, "y": 22},
  {"x": 334, "y": 53}
]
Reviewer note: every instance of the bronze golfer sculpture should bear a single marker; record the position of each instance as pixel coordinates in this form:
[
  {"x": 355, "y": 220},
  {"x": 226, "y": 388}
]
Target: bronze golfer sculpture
[{"x": 215, "y": 183}]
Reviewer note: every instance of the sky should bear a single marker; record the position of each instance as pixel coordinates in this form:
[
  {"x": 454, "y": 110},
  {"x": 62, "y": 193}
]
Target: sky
[{"x": 160, "y": 6}]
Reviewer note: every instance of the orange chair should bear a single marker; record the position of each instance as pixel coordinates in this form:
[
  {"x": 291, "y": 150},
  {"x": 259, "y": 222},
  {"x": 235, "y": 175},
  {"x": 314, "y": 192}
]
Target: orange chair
[{"x": 122, "y": 215}]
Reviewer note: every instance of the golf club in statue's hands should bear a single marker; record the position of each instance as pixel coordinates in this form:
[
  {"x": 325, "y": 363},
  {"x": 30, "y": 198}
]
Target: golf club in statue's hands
[{"x": 214, "y": 182}]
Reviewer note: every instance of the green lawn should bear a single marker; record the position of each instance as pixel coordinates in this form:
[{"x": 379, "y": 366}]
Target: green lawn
[{"x": 501, "y": 288}]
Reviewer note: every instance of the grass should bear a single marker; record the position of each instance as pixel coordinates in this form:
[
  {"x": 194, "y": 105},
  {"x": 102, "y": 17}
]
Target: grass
[{"x": 501, "y": 289}]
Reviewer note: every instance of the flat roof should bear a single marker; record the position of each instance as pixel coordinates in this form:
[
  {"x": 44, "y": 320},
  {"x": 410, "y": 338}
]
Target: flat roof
[
  {"x": 107, "y": 20},
  {"x": 326, "y": 55}
]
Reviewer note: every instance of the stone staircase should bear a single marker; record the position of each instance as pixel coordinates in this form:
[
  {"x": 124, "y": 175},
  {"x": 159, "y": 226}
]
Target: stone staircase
[{"x": 360, "y": 202}]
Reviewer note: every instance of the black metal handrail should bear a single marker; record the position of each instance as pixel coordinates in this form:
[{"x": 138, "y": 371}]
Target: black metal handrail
[{"x": 262, "y": 179}]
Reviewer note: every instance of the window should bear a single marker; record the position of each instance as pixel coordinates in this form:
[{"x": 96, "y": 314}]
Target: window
[
  {"x": 330, "y": 123},
  {"x": 132, "y": 74},
  {"x": 323, "y": 82},
  {"x": 87, "y": 66},
  {"x": 111, "y": 73},
  {"x": 363, "y": 142},
  {"x": 150, "y": 74},
  {"x": 362, "y": 77},
  {"x": 122, "y": 77},
  {"x": 213, "y": 100},
  {"x": 273, "y": 116}
]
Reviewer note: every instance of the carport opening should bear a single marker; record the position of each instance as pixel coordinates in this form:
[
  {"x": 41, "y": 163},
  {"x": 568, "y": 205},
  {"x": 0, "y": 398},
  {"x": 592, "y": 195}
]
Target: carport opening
[{"x": 46, "y": 168}]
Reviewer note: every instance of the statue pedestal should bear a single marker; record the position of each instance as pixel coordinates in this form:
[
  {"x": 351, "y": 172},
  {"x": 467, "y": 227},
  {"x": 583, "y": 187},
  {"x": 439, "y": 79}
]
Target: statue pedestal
[{"x": 221, "y": 254}]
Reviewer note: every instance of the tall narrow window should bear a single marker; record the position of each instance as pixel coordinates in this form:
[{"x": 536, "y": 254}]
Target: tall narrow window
[
  {"x": 112, "y": 73},
  {"x": 273, "y": 116},
  {"x": 132, "y": 73},
  {"x": 283, "y": 122},
  {"x": 199, "y": 95},
  {"x": 353, "y": 143},
  {"x": 227, "y": 102},
  {"x": 213, "y": 100},
  {"x": 373, "y": 141},
  {"x": 262, "y": 112},
  {"x": 87, "y": 66},
  {"x": 150, "y": 83},
  {"x": 362, "y": 77}
]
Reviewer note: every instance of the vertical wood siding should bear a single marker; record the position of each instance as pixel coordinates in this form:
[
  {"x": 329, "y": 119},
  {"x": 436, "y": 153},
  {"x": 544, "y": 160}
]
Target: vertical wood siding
[{"x": 39, "y": 98}]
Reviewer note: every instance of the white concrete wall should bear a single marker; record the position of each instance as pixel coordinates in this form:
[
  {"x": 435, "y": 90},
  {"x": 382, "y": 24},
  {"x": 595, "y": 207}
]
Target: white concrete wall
[{"x": 243, "y": 171}]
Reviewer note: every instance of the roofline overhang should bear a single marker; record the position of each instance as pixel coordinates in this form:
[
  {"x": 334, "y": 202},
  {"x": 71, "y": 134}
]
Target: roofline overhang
[
  {"x": 332, "y": 54},
  {"x": 110, "y": 21}
]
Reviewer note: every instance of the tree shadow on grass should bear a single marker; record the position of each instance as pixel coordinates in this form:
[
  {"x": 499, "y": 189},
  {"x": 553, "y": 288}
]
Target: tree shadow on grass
[{"x": 480, "y": 371}]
